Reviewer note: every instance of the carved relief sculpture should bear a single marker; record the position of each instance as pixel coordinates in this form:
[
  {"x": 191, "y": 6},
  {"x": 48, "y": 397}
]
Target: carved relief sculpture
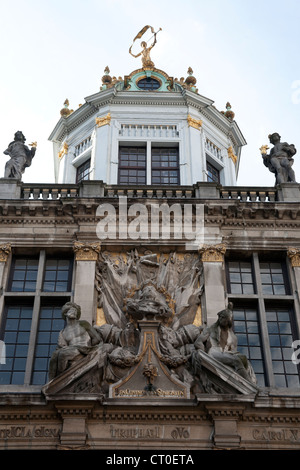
[{"x": 149, "y": 345}]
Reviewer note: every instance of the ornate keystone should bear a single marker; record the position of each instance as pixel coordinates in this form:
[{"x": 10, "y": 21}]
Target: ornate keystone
[
  {"x": 212, "y": 253},
  {"x": 86, "y": 251},
  {"x": 5, "y": 250},
  {"x": 103, "y": 121},
  {"x": 294, "y": 255}
]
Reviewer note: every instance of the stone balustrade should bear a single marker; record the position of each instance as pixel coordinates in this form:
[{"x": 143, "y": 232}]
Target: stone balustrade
[{"x": 13, "y": 189}]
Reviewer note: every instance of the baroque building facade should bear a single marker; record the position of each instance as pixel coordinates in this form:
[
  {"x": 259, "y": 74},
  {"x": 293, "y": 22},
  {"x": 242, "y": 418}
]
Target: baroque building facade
[{"x": 146, "y": 230}]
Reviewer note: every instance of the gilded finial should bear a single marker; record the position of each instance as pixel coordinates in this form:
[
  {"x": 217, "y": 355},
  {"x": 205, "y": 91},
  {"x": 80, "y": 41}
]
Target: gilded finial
[
  {"x": 229, "y": 113},
  {"x": 65, "y": 111}
]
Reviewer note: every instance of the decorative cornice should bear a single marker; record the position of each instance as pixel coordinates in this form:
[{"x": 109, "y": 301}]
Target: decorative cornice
[
  {"x": 294, "y": 255},
  {"x": 213, "y": 253},
  {"x": 196, "y": 123},
  {"x": 103, "y": 121},
  {"x": 5, "y": 250},
  {"x": 86, "y": 251}
]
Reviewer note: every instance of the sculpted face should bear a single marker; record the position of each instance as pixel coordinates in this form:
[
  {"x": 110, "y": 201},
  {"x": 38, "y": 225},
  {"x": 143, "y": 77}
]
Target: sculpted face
[{"x": 225, "y": 319}]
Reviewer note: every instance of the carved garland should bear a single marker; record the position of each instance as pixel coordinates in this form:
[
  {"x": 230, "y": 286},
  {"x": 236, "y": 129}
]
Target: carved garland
[
  {"x": 103, "y": 121},
  {"x": 196, "y": 123},
  {"x": 86, "y": 251}
]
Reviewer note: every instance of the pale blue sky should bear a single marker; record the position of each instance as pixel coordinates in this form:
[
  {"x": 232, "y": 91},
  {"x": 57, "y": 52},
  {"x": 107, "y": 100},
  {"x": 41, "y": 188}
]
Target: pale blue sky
[{"x": 242, "y": 51}]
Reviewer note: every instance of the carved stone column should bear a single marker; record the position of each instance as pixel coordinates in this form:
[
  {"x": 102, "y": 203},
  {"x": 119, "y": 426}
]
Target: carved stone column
[
  {"x": 212, "y": 257},
  {"x": 86, "y": 255}
]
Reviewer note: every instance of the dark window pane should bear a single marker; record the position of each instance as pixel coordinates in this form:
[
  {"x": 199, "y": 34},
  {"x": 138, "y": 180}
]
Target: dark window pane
[
  {"x": 50, "y": 324},
  {"x": 23, "y": 275},
  {"x": 83, "y": 171},
  {"x": 132, "y": 165},
  {"x": 213, "y": 175},
  {"x": 57, "y": 277},
  {"x": 149, "y": 84},
  {"x": 165, "y": 165},
  {"x": 16, "y": 337},
  {"x": 240, "y": 277}
]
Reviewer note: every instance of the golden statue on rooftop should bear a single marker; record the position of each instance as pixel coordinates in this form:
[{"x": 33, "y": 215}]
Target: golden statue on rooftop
[{"x": 145, "y": 52}]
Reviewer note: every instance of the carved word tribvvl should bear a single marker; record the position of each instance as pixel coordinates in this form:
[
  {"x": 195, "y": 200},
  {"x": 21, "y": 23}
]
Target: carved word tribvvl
[{"x": 153, "y": 432}]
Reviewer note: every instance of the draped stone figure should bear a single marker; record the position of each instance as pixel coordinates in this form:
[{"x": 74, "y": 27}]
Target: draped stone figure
[
  {"x": 280, "y": 159},
  {"x": 20, "y": 156}
]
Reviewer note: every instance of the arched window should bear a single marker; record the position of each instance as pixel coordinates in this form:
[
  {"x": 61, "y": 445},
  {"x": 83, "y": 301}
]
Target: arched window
[{"x": 149, "y": 84}]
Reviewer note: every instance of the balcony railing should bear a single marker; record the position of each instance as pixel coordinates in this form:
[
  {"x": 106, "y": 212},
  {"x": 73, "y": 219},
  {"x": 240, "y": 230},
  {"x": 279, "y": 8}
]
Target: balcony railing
[{"x": 199, "y": 191}]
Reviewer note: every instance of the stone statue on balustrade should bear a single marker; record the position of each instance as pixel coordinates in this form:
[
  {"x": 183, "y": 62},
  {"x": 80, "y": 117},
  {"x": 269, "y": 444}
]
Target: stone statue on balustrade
[
  {"x": 20, "y": 156},
  {"x": 280, "y": 159}
]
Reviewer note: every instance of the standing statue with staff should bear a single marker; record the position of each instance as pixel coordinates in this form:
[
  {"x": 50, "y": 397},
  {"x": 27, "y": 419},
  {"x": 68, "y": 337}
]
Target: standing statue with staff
[{"x": 145, "y": 52}]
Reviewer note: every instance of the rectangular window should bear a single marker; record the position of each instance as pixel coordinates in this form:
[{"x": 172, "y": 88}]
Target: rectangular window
[
  {"x": 165, "y": 166},
  {"x": 132, "y": 165},
  {"x": 273, "y": 280},
  {"x": 83, "y": 171},
  {"x": 57, "y": 275},
  {"x": 213, "y": 175},
  {"x": 267, "y": 329},
  {"x": 50, "y": 324},
  {"x": 23, "y": 275},
  {"x": 246, "y": 328},
  {"x": 240, "y": 279},
  {"x": 281, "y": 337},
  {"x": 31, "y": 322},
  {"x": 16, "y": 338}
]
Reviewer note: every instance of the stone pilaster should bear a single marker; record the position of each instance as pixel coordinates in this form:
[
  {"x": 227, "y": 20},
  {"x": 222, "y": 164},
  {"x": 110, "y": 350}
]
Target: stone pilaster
[
  {"x": 212, "y": 257},
  {"x": 86, "y": 255}
]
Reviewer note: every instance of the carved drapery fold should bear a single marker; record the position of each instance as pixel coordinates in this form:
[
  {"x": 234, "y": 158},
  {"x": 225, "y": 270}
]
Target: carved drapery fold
[{"x": 86, "y": 251}]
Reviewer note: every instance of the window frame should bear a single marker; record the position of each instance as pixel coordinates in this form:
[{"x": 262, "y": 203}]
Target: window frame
[
  {"x": 167, "y": 168},
  {"x": 128, "y": 168},
  {"x": 37, "y": 299},
  {"x": 209, "y": 164},
  {"x": 79, "y": 180},
  {"x": 262, "y": 302}
]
